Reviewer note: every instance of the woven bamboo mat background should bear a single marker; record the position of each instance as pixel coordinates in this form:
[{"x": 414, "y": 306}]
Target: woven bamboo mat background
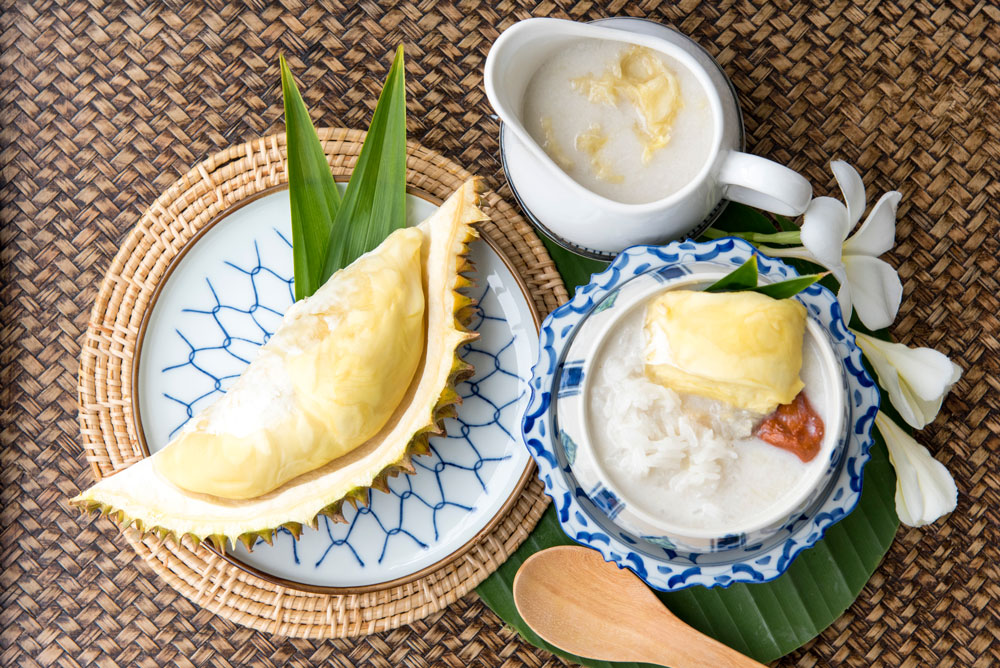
[{"x": 104, "y": 104}]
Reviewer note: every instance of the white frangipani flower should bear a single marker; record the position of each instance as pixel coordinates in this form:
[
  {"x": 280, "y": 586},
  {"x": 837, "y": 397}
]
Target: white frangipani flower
[
  {"x": 925, "y": 489},
  {"x": 917, "y": 379},
  {"x": 867, "y": 284}
]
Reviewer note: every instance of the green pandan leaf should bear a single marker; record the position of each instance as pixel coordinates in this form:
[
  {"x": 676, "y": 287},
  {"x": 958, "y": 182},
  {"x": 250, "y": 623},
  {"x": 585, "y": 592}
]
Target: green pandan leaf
[
  {"x": 375, "y": 200},
  {"x": 789, "y": 288},
  {"x": 314, "y": 197},
  {"x": 743, "y": 277}
]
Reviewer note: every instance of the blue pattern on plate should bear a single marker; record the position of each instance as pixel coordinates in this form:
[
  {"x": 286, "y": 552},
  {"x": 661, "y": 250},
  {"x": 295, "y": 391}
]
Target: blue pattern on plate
[
  {"x": 606, "y": 500},
  {"x": 571, "y": 378},
  {"x": 660, "y": 566},
  {"x": 228, "y": 341},
  {"x": 569, "y": 447},
  {"x": 239, "y": 348}
]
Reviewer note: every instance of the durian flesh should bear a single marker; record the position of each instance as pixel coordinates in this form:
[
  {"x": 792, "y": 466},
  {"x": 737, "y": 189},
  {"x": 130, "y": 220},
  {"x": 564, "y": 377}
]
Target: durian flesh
[
  {"x": 326, "y": 381},
  {"x": 742, "y": 348},
  {"x": 149, "y": 493}
]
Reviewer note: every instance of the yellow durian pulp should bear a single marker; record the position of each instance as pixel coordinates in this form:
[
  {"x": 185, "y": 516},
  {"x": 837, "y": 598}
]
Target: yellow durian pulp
[
  {"x": 743, "y": 348},
  {"x": 326, "y": 381},
  {"x": 370, "y": 357},
  {"x": 641, "y": 77}
]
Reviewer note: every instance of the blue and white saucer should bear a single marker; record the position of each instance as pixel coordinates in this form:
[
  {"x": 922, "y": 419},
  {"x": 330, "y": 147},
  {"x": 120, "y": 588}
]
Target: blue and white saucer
[
  {"x": 223, "y": 299},
  {"x": 588, "y": 520}
]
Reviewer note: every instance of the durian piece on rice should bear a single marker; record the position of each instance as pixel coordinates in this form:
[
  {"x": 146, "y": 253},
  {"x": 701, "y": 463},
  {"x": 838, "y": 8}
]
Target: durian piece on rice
[{"x": 350, "y": 386}]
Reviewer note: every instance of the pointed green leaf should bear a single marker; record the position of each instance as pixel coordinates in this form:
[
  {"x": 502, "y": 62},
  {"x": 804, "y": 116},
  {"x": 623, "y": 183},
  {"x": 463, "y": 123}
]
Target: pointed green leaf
[
  {"x": 743, "y": 277},
  {"x": 788, "y": 288},
  {"x": 375, "y": 201},
  {"x": 311, "y": 189}
]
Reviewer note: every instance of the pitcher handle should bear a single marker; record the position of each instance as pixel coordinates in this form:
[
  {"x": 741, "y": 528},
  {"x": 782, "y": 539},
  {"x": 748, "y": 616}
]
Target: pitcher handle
[{"x": 764, "y": 184}]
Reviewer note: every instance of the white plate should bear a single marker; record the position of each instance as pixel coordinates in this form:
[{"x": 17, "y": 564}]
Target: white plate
[{"x": 219, "y": 304}]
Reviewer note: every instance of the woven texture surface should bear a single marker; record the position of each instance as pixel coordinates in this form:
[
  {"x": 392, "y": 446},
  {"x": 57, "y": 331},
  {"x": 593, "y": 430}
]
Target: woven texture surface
[
  {"x": 109, "y": 432},
  {"x": 105, "y": 105}
]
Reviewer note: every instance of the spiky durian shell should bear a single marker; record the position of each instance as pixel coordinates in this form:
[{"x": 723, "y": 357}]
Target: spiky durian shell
[{"x": 461, "y": 308}]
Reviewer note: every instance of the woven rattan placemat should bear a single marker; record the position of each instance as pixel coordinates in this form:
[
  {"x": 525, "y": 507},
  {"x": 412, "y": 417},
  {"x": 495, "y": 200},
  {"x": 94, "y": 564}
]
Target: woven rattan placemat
[
  {"x": 104, "y": 105},
  {"x": 107, "y": 391}
]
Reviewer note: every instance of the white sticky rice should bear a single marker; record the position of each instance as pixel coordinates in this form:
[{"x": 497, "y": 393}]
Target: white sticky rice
[{"x": 687, "y": 461}]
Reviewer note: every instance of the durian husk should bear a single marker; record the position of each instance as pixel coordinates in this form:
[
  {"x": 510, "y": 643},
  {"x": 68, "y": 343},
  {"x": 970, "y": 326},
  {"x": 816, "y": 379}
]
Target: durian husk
[{"x": 139, "y": 497}]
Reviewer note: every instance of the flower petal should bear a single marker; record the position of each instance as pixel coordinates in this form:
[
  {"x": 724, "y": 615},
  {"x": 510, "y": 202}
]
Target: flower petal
[
  {"x": 878, "y": 233},
  {"x": 875, "y": 289},
  {"x": 853, "y": 189},
  {"x": 916, "y": 379},
  {"x": 925, "y": 490},
  {"x": 824, "y": 228}
]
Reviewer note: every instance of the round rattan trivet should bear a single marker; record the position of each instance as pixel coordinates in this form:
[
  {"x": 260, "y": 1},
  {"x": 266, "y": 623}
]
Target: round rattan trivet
[{"x": 109, "y": 433}]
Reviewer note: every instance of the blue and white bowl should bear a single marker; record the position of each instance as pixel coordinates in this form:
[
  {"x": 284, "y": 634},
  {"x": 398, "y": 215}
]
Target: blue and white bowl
[
  {"x": 596, "y": 513},
  {"x": 622, "y": 501}
]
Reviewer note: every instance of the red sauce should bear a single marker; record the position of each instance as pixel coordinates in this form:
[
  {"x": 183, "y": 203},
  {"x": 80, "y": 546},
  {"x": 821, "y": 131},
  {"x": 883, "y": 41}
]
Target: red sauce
[{"x": 795, "y": 427}]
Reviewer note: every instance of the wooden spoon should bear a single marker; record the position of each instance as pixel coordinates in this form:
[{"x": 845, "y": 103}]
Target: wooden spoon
[{"x": 578, "y": 602}]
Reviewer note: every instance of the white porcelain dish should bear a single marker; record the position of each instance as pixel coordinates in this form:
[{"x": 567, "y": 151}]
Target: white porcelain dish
[{"x": 519, "y": 163}]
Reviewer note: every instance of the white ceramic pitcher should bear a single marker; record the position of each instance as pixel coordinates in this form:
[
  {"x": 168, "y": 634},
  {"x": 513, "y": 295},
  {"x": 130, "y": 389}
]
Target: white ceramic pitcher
[{"x": 588, "y": 220}]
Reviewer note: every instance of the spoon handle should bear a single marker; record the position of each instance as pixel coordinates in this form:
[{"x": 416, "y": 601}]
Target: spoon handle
[{"x": 689, "y": 648}]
